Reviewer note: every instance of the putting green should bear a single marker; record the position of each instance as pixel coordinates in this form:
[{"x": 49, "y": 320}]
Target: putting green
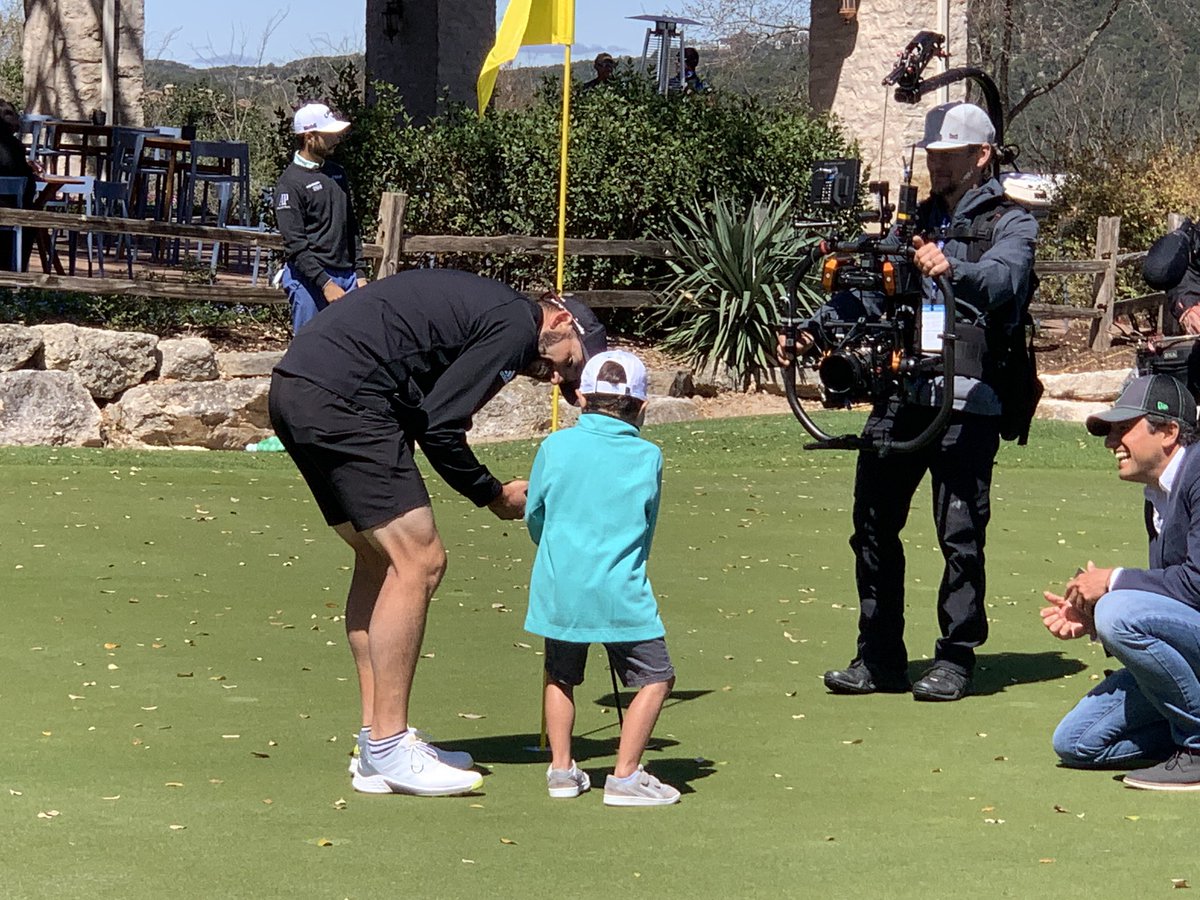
[{"x": 178, "y": 699}]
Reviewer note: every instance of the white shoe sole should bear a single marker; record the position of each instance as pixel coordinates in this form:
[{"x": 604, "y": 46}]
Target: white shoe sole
[
  {"x": 1155, "y": 786},
  {"x": 416, "y": 790},
  {"x": 566, "y": 793},
  {"x": 617, "y": 800}
]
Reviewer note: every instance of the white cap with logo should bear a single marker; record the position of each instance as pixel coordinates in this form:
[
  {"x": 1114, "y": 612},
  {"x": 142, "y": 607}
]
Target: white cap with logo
[
  {"x": 954, "y": 125},
  {"x": 317, "y": 117},
  {"x": 633, "y": 384}
]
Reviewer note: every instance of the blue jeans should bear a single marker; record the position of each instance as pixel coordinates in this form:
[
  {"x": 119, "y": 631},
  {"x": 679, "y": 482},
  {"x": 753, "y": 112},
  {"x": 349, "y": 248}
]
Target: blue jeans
[
  {"x": 306, "y": 299},
  {"x": 1150, "y": 708}
]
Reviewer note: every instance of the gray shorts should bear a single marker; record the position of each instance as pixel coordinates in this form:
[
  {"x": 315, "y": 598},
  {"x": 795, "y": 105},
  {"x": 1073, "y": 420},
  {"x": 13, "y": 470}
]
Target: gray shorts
[{"x": 637, "y": 663}]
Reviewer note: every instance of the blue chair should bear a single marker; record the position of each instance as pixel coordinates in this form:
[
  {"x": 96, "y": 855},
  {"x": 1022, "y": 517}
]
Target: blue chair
[
  {"x": 214, "y": 163},
  {"x": 74, "y": 198},
  {"x": 12, "y": 195},
  {"x": 111, "y": 199}
]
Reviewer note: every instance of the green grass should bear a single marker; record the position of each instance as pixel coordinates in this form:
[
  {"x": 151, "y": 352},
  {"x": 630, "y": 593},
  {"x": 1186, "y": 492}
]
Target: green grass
[{"x": 157, "y": 603}]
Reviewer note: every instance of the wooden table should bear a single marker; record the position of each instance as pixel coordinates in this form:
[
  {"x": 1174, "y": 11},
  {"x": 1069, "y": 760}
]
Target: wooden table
[
  {"x": 84, "y": 148},
  {"x": 175, "y": 149}
]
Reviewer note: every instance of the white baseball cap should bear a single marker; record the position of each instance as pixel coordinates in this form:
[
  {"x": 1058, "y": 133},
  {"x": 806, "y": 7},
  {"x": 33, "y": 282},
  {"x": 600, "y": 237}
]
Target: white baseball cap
[
  {"x": 317, "y": 117},
  {"x": 633, "y": 384},
  {"x": 954, "y": 125}
]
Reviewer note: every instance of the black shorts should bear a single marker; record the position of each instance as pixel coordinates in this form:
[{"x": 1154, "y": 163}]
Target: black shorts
[
  {"x": 637, "y": 663},
  {"x": 356, "y": 461}
]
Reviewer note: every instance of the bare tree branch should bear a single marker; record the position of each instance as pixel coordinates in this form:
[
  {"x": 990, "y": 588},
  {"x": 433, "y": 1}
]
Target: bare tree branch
[{"x": 1062, "y": 76}]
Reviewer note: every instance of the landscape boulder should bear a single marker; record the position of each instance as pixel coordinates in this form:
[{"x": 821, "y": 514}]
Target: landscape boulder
[
  {"x": 47, "y": 409},
  {"x": 18, "y": 345},
  {"x": 107, "y": 362},
  {"x": 218, "y": 415},
  {"x": 186, "y": 359}
]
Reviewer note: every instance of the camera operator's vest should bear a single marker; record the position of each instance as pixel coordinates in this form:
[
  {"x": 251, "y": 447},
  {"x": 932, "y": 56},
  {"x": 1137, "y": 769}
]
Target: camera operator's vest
[{"x": 1001, "y": 352}]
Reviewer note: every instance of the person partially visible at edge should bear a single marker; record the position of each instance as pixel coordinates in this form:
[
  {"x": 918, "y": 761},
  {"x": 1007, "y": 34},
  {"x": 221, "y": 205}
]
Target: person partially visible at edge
[
  {"x": 984, "y": 244},
  {"x": 14, "y": 163},
  {"x": 1147, "y": 619},
  {"x": 592, "y": 508},
  {"x": 692, "y": 82},
  {"x": 407, "y": 362},
  {"x": 315, "y": 216},
  {"x": 605, "y": 67}
]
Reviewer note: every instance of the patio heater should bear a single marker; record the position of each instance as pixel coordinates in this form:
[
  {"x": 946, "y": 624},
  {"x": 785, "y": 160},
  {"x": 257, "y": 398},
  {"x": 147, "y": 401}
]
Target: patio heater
[{"x": 663, "y": 48}]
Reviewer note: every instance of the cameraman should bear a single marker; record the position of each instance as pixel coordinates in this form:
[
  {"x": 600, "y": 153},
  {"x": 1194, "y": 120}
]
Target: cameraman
[
  {"x": 984, "y": 244},
  {"x": 1173, "y": 265}
]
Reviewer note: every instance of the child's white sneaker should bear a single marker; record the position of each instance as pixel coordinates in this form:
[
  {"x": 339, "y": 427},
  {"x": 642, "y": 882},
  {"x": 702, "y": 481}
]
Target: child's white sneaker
[
  {"x": 412, "y": 768},
  {"x": 457, "y": 759},
  {"x": 640, "y": 789},
  {"x": 566, "y": 783}
]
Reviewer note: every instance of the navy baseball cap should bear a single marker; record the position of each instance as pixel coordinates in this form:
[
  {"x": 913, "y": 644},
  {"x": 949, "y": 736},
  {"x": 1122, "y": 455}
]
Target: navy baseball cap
[{"x": 1149, "y": 395}]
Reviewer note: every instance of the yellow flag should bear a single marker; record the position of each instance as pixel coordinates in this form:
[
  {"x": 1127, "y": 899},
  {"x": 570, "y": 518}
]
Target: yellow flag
[{"x": 526, "y": 23}]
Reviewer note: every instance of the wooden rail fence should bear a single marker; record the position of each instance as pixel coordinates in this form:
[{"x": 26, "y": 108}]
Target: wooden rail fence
[{"x": 392, "y": 245}]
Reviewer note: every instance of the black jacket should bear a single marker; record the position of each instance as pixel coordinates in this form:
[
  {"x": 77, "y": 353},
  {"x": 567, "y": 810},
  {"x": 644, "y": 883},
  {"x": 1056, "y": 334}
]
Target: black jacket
[
  {"x": 316, "y": 219},
  {"x": 429, "y": 347}
]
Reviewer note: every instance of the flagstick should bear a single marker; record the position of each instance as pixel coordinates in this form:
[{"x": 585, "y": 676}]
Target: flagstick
[
  {"x": 565, "y": 135},
  {"x": 558, "y": 276}
]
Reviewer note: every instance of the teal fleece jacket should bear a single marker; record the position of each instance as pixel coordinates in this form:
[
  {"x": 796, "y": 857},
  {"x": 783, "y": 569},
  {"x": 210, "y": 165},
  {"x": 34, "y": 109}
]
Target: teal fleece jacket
[{"x": 592, "y": 507}]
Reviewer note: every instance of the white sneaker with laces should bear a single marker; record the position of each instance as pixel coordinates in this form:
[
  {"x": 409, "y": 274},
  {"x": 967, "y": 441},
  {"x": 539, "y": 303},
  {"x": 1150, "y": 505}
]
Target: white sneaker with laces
[
  {"x": 457, "y": 759},
  {"x": 566, "y": 783},
  {"x": 412, "y": 768},
  {"x": 642, "y": 790}
]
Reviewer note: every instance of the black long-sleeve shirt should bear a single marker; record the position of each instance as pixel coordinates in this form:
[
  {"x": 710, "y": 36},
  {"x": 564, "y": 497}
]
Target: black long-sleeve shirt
[
  {"x": 429, "y": 347},
  {"x": 316, "y": 219}
]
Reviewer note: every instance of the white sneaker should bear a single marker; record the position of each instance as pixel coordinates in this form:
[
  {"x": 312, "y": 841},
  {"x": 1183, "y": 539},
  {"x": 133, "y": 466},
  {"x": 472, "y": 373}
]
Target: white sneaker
[
  {"x": 644, "y": 790},
  {"x": 412, "y": 768},
  {"x": 457, "y": 759},
  {"x": 566, "y": 783}
]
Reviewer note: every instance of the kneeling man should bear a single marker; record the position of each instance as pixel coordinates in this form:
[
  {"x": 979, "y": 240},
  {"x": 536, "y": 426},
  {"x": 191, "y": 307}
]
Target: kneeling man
[{"x": 1149, "y": 619}]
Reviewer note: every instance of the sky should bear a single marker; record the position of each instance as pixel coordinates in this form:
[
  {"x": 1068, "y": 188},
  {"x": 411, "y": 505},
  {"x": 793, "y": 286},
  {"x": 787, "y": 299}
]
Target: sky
[{"x": 221, "y": 31}]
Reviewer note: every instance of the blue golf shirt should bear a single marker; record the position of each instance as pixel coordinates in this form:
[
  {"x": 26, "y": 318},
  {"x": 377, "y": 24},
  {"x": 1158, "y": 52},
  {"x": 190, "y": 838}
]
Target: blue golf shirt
[{"x": 592, "y": 507}]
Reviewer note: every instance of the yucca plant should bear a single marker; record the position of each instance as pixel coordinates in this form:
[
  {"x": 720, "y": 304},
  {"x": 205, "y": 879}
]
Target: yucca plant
[{"x": 730, "y": 267}]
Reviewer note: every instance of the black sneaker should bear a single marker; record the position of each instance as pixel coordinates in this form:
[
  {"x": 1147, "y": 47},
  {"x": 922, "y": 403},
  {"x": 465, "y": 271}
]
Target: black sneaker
[
  {"x": 1179, "y": 773},
  {"x": 942, "y": 683},
  {"x": 858, "y": 679}
]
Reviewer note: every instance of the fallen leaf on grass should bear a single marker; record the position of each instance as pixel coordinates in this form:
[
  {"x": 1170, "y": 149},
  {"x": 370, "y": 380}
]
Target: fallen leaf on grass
[
  {"x": 1060, "y": 809},
  {"x": 258, "y": 755},
  {"x": 1179, "y": 883},
  {"x": 855, "y": 741},
  {"x": 48, "y": 814},
  {"x": 508, "y": 841},
  {"x": 1133, "y": 818},
  {"x": 1046, "y": 861},
  {"x": 324, "y": 842},
  {"x": 471, "y": 716},
  {"x": 113, "y": 797},
  {"x": 340, "y": 803},
  {"x": 177, "y": 827},
  {"x": 174, "y": 784}
]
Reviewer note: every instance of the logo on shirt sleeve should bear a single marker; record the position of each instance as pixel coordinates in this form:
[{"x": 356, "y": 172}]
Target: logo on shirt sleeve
[
  {"x": 282, "y": 203},
  {"x": 507, "y": 375}
]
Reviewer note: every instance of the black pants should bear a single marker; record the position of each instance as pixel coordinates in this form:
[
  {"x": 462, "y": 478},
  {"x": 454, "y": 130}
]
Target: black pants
[{"x": 960, "y": 465}]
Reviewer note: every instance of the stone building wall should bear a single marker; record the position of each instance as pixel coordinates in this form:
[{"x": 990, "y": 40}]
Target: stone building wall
[
  {"x": 437, "y": 53},
  {"x": 64, "y": 59},
  {"x": 849, "y": 61}
]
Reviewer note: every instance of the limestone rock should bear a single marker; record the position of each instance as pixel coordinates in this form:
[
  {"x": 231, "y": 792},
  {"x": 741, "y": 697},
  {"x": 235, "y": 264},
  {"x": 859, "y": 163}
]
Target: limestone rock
[
  {"x": 1068, "y": 410},
  {"x": 219, "y": 415},
  {"x": 18, "y": 345},
  {"x": 252, "y": 364},
  {"x": 520, "y": 410},
  {"x": 187, "y": 359},
  {"x": 47, "y": 409},
  {"x": 1086, "y": 386},
  {"x": 107, "y": 362},
  {"x": 660, "y": 411}
]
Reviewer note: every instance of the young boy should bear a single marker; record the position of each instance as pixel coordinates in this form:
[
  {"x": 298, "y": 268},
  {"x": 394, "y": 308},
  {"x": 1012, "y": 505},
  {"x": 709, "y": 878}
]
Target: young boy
[{"x": 591, "y": 509}]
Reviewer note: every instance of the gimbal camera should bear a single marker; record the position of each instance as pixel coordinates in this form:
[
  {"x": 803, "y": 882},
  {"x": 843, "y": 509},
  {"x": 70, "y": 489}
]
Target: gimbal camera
[{"x": 874, "y": 356}]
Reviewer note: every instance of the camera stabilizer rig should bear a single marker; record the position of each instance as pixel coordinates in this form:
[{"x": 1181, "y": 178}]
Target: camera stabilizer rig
[
  {"x": 877, "y": 356},
  {"x": 870, "y": 357}
]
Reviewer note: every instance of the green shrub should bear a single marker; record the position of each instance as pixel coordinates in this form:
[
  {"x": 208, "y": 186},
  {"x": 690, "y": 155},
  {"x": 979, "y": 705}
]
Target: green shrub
[{"x": 731, "y": 263}]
